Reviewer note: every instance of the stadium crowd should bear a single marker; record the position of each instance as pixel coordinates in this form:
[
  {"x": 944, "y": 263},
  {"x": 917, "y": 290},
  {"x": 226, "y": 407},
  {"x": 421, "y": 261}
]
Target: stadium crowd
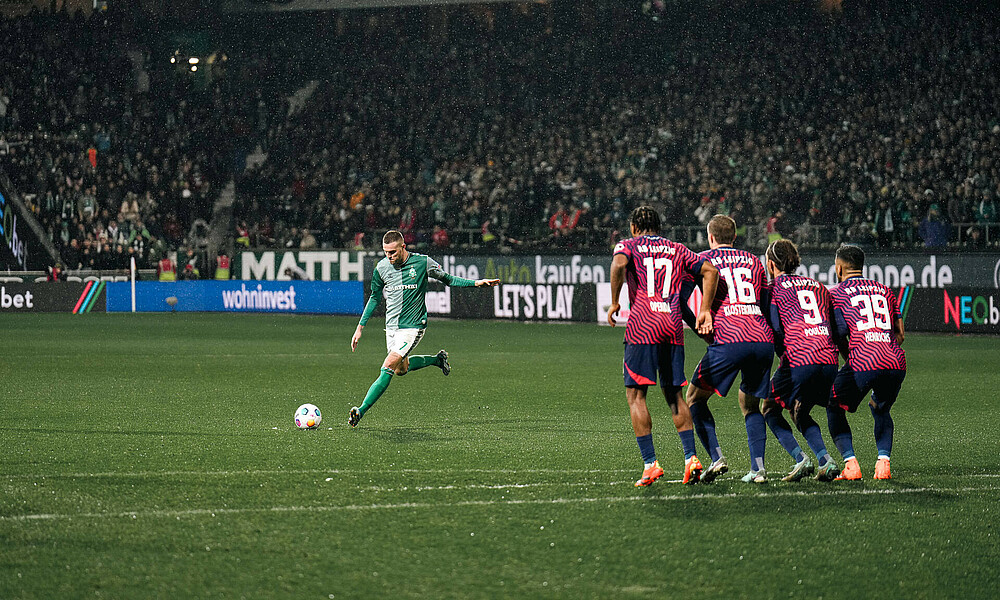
[
  {"x": 876, "y": 128},
  {"x": 879, "y": 128},
  {"x": 120, "y": 155}
]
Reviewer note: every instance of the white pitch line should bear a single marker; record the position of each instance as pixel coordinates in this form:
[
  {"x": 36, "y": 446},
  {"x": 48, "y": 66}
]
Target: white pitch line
[
  {"x": 414, "y": 505},
  {"x": 499, "y": 486},
  {"x": 381, "y": 473}
]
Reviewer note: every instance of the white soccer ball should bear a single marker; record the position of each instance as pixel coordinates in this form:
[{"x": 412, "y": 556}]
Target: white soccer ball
[{"x": 308, "y": 416}]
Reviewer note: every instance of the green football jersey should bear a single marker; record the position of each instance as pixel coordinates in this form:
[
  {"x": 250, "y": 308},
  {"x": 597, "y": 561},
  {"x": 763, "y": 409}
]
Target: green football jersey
[{"x": 405, "y": 289}]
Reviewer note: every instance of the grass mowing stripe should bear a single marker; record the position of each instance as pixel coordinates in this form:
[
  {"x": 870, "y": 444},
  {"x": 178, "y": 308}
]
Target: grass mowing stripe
[
  {"x": 614, "y": 499},
  {"x": 298, "y": 472}
]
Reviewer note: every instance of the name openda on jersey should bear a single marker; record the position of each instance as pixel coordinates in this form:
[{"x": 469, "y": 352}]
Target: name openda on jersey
[{"x": 259, "y": 298}]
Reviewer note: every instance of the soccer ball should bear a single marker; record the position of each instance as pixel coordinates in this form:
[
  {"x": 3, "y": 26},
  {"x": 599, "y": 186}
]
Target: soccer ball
[{"x": 308, "y": 416}]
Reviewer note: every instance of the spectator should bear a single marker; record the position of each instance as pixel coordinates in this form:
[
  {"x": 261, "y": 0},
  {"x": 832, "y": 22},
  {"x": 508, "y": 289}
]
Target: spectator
[
  {"x": 308, "y": 241},
  {"x": 934, "y": 231},
  {"x": 885, "y": 225},
  {"x": 774, "y": 222},
  {"x": 440, "y": 237}
]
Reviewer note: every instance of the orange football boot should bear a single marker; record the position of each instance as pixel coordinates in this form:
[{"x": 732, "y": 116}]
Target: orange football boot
[
  {"x": 851, "y": 472},
  {"x": 882, "y": 469},
  {"x": 650, "y": 474},
  {"x": 692, "y": 470}
]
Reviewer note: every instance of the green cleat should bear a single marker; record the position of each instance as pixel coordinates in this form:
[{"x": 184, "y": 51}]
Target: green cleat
[
  {"x": 755, "y": 477},
  {"x": 828, "y": 472},
  {"x": 801, "y": 469},
  {"x": 445, "y": 365}
]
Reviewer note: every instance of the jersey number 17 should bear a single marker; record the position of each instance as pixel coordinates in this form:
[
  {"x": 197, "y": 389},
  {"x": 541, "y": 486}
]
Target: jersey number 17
[{"x": 652, "y": 266}]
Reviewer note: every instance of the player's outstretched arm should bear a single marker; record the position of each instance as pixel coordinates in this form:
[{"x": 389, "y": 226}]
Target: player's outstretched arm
[
  {"x": 709, "y": 284},
  {"x": 619, "y": 265},
  {"x": 487, "y": 282}
]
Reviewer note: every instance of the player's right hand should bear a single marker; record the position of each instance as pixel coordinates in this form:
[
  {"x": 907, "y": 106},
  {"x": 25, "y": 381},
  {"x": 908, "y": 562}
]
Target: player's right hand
[
  {"x": 612, "y": 313},
  {"x": 354, "y": 340},
  {"x": 704, "y": 322}
]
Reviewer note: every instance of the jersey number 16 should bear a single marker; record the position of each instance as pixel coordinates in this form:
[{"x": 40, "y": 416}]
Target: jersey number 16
[{"x": 739, "y": 280}]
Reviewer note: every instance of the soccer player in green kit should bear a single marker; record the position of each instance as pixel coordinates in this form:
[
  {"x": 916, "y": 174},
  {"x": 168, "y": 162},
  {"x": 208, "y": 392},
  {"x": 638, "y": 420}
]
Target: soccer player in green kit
[{"x": 403, "y": 276}]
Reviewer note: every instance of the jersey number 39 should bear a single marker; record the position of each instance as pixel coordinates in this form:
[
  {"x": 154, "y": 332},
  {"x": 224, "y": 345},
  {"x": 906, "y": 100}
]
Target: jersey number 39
[{"x": 874, "y": 312}]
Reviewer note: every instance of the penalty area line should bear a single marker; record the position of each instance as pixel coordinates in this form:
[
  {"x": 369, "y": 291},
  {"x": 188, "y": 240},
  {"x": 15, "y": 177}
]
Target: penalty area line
[{"x": 213, "y": 512}]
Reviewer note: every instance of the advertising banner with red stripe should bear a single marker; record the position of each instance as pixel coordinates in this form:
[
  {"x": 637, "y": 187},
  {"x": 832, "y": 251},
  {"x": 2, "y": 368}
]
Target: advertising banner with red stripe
[{"x": 77, "y": 298}]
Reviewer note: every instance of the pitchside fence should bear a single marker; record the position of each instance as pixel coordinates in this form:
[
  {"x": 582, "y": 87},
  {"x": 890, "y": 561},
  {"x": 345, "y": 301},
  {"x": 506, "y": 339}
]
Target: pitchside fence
[{"x": 958, "y": 293}]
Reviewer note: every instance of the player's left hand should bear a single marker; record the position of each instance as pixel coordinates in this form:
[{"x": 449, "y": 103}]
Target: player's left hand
[
  {"x": 612, "y": 313},
  {"x": 704, "y": 323},
  {"x": 487, "y": 282}
]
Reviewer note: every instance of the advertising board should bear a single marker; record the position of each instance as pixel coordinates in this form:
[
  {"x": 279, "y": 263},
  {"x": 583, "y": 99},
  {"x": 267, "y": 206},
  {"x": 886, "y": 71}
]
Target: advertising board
[{"x": 309, "y": 297}]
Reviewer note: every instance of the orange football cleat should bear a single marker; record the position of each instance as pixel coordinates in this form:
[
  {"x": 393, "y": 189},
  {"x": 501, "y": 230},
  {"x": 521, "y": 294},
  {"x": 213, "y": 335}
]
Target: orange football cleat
[
  {"x": 851, "y": 472},
  {"x": 882, "y": 469},
  {"x": 650, "y": 474},
  {"x": 692, "y": 470}
]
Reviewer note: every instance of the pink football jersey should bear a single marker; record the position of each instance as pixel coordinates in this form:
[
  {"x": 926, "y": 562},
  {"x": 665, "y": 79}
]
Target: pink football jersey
[
  {"x": 736, "y": 311},
  {"x": 801, "y": 311},
  {"x": 655, "y": 269},
  {"x": 865, "y": 311}
]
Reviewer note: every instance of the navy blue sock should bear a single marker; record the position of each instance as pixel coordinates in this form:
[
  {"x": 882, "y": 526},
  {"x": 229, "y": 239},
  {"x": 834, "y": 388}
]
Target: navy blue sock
[
  {"x": 840, "y": 431},
  {"x": 883, "y": 431},
  {"x": 756, "y": 438},
  {"x": 704, "y": 425},
  {"x": 810, "y": 429},
  {"x": 783, "y": 431},
  {"x": 646, "y": 448},
  {"x": 687, "y": 440}
]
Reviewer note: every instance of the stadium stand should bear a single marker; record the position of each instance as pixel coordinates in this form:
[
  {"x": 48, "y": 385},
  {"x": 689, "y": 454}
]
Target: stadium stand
[{"x": 879, "y": 128}]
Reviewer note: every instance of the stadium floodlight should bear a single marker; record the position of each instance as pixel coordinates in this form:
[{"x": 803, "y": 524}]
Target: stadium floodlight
[
  {"x": 194, "y": 67},
  {"x": 193, "y": 60}
]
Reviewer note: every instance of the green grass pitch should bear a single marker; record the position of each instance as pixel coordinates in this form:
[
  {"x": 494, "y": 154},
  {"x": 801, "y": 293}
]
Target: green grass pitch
[{"x": 155, "y": 456}]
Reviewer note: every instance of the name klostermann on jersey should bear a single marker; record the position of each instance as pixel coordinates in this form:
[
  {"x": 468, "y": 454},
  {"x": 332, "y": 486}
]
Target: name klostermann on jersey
[
  {"x": 741, "y": 309},
  {"x": 405, "y": 286}
]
